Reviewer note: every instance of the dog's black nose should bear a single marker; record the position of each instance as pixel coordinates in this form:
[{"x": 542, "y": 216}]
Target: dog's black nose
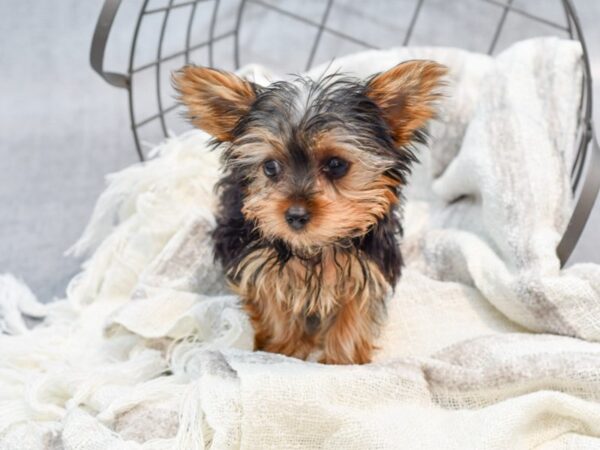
[{"x": 297, "y": 217}]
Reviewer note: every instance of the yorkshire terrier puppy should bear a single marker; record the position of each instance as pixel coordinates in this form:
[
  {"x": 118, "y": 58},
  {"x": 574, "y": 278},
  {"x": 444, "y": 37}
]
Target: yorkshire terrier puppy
[{"x": 313, "y": 170}]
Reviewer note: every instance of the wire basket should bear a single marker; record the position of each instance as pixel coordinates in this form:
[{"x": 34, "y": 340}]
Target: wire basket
[{"x": 228, "y": 33}]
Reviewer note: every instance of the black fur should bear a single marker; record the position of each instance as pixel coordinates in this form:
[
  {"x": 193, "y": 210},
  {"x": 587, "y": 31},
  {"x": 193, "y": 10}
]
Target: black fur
[
  {"x": 235, "y": 237},
  {"x": 332, "y": 102},
  {"x": 381, "y": 245}
]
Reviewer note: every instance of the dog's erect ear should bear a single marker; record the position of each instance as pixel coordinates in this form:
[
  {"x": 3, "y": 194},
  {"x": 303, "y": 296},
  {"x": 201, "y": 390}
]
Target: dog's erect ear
[
  {"x": 215, "y": 99},
  {"x": 407, "y": 94}
]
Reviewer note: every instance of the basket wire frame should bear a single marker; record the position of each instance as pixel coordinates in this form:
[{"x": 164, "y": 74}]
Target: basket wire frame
[{"x": 584, "y": 156}]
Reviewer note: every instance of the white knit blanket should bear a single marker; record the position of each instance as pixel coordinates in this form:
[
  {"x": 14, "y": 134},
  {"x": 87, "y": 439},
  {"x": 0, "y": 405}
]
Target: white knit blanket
[{"x": 489, "y": 344}]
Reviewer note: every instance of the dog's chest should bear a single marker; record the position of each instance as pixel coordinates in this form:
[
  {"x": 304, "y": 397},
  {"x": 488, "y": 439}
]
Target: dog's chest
[{"x": 310, "y": 289}]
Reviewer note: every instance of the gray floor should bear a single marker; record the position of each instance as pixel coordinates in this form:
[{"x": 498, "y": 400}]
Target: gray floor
[{"x": 62, "y": 129}]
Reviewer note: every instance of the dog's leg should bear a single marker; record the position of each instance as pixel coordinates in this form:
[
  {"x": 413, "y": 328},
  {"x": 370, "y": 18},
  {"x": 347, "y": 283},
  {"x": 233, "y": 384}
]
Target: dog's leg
[
  {"x": 276, "y": 331},
  {"x": 296, "y": 345},
  {"x": 350, "y": 339}
]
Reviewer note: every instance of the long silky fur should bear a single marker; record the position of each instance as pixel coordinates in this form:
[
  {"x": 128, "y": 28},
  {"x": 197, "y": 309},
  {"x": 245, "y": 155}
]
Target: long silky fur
[
  {"x": 235, "y": 237},
  {"x": 331, "y": 100},
  {"x": 293, "y": 315}
]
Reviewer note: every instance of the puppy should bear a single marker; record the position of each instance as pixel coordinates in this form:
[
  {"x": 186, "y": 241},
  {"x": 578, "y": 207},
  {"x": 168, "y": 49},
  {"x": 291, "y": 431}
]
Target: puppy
[{"x": 308, "y": 225}]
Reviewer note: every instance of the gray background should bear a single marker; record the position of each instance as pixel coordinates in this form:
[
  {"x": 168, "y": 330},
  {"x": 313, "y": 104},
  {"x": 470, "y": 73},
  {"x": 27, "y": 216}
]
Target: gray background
[{"x": 62, "y": 128}]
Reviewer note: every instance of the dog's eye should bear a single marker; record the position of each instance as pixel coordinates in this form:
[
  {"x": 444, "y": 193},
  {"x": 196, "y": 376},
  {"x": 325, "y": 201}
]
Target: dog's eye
[
  {"x": 271, "y": 168},
  {"x": 335, "y": 167}
]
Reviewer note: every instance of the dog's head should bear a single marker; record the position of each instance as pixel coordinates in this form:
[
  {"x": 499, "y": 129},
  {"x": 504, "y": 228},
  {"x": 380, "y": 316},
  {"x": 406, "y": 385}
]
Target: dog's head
[{"x": 319, "y": 161}]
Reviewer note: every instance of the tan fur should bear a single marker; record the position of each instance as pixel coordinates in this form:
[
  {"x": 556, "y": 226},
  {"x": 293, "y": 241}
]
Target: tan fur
[
  {"x": 256, "y": 146},
  {"x": 347, "y": 208},
  {"x": 215, "y": 99},
  {"x": 407, "y": 94},
  {"x": 349, "y": 304},
  {"x": 324, "y": 298}
]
